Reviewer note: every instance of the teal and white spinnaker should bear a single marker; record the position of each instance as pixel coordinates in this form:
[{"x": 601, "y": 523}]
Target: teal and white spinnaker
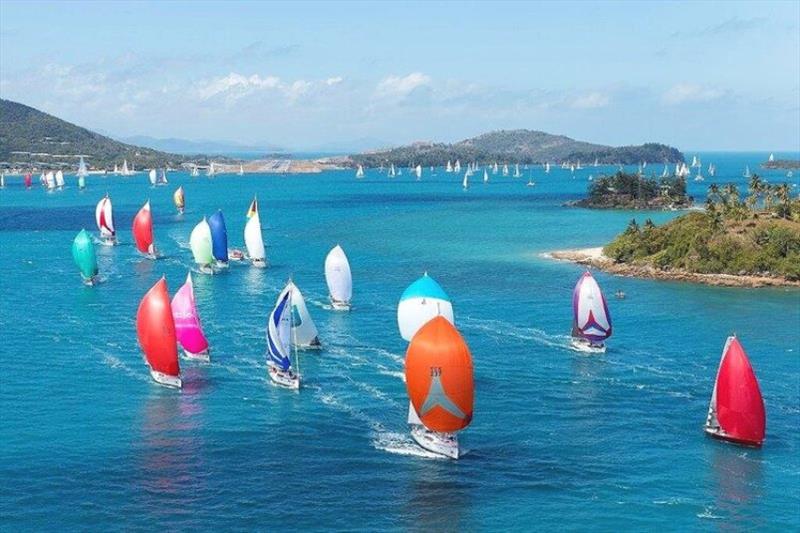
[
  {"x": 304, "y": 332},
  {"x": 422, "y": 301}
]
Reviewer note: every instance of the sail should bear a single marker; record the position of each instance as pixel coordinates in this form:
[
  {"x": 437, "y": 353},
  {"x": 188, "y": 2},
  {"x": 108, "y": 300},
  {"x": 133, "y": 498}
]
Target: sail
[
  {"x": 360, "y": 172},
  {"x": 485, "y": 176},
  {"x": 465, "y": 182},
  {"x": 104, "y": 217},
  {"x": 278, "y": 333},
  {"x": 457, "y": 167},
  {"x": 143, "y": 230},
  {"x": 771, "y": 157},
  {"x": 241, "y": 170},
  {"x": 304, "y": 331},
  {"x": 200, "y": 242},
  {"x": 591, "y": 319},
  {"x": 547, "y": 168},
  {"x": 419, "y": 171},
  {"x": 164, "y": 176},
  {"x": 420, "y": 302},
  {"x": 438, "y": 369},
  {"x": 125, "y": 170},
  {"x": 413, "y": 417},
  {"x": 178, "y": 198},
  {"x": 82, "y": 172},
  {"x": 84, "y": 255},
  {"x": 60, "y": 178},
  {"x": 187, "y": 322},
  {"x": 219, "y": 236},
  {"x": 253, "y": 239},
  {"x": 449, "y": 167},
  {"x": 155, "y": 329},
  {"x": 338, "y": 275},
  {"x": 152, "y": 176},
  {"x": 28, "y": 180}
]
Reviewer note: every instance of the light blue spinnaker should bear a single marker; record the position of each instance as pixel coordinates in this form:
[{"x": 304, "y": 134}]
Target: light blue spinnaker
[{"x": 420, "y": 302}]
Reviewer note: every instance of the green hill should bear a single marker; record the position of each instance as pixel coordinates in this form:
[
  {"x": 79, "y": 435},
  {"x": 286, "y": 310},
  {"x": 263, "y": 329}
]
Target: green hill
[
  {"x": 29, "y": 137},
  {"x": 519, "y": 146}
]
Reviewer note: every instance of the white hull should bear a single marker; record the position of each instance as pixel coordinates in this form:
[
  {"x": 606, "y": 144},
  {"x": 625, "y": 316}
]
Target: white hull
[
  {"x": 313, "y": 345},
  {"x": 444, "y": 444},
  {"x": 167, "y": 381},
  {"x": 108, "y": 241},
  {"x": 89, "y": 282},
  {"x": 340, "y": 306},
  {"x": 288, "y": 380},
  {"x": 221, "y": 264},
  {"x": 206, "y": 269},
  {"x": 203, "y": 356},
  {"x": 582, "y": 345},
  {"x": 258, "y": 263}
]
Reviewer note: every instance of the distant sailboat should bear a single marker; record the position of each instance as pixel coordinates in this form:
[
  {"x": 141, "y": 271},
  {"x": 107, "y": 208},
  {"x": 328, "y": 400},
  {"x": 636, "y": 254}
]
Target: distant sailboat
[
  {"x": 200, "y": 243},
  {"x": 547, "y": 168},
  {"x": 82, "y": 173},
  {"x": 143, "y": 231},
  {"x": 104, "y": 217},
  {"x": 241, "y": 170},
  {"x": 50, "y": 180},
  {"x": 665, "y": 172},
  {"x": 155, "y": 328},
  {"x": 699, "y": 176},
  {"x": 516, "y": 171},
  {"x": 485, "y": 176},
  {"x": 392, "y": 172},
  {"x": 440, "y": 386},
  {"x": 253, "y": 240},
  {"x": 279, "y": 332},
  {"x": 449, "y": 167},
  {"x": 505, "y": 169},
  {"x": 219, "y": 238},
  {"x": 28, "y": 180},
  {"x": 695, "y": 162},
  {"x": 596, "y": 163},
  {"x": 152, "y": 177},
  {"x": 591, "y": 323},
  {"x": 530, "y": 183},
  {"x": 85, "y": 258},
  {"x": 360, "y": 172},
  {"x": 465, "y": 182},
  {"x": 60, "y": 179},
  {"x": 163, "y": 180},
  {"x": 211, "y": 170},
  {"x": 304, "y": 333},
  {"x": 125, "y": 171},
  {"x": 579, "y": 167},
  {"x": 339, "y": 279},
  {"x": 712, "y": 170},
  {"x": 494, "y": 168},
  {"x": 422, "y": 301},
  {"x": 736, "y": 411},
  {"x": 179, "y": 199},
  {"x": 187, "y": 323},
  {"x": 771, "y": 158},
  {"x": 747, "y": 171},
  {"x": 419, "y": 172},
  {"x": 116, "y": 169},
  {"x": 457, "y": 167},
  {"x": 195, "y": 172}
]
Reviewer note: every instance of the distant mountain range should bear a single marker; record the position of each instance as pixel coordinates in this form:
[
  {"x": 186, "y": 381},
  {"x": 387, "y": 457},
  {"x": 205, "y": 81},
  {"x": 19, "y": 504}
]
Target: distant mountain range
[
  {"x": 202, "y": 146},
  {"x": 518, "y": 146}
]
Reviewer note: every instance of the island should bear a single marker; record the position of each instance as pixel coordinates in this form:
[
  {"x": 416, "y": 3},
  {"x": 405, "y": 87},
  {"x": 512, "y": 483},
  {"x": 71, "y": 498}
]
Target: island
[
  {"x": 633, "y": 191},
  {"x": 747, "y": 242},
  {"x": 785, "y": 164}
]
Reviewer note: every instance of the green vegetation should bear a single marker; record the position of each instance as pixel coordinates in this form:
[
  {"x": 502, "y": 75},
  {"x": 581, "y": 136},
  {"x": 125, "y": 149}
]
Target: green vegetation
[
  {"x": 759, "y": 235},
  {"x": 632, "y": 191},
  {"x": 517, "y": 146},
  {"x": 789, "y": 164}
]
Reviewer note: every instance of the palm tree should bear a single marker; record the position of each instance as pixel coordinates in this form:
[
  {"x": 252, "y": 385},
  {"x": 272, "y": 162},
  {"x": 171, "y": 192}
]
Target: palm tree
[
  {"x": 754, "y": 187},
  {"x": 784, "y": 197},
  {"x": 769, "y": 195},
  {"x": 731, "y": 194},
  {"x": 713, "y": 192}
]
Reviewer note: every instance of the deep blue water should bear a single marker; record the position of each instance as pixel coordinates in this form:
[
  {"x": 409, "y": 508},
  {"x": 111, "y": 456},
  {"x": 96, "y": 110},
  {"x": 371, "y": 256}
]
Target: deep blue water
[{"x": 559, "y": 440}]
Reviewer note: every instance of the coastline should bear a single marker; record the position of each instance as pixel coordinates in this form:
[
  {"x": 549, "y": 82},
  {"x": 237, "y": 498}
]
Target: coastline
[{"x": 594, "y": 257}]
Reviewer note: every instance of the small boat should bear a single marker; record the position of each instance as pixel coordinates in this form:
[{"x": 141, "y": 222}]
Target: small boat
[
  {"x": 771, "y": 158},
  {"x": 339, "y": 279},
  {"x": 82, "y": 173},
  {"x": 163, "y": 177},
  {"x": 422, "y": 301},
  {"x": 200, "y": 243},
  {"x": 187, "y": 323},
  {"x": 143, "y": 231},
  {"x": 419, "y": 172},
  {"x": 152, "y": 177},
  {"x": 620, "y": 295},
  {"x": 235, "y": 254},
  {"x": 253, "y": 240},
  {"x": 393, "y": 173},
  {"x": 439, "y": 381},
  {"x": 85, "y": 258},
  {"x": 530, "y": 183},
  {"x": 747, "y": 171},
  {"x": 59, "y": 179},
  {"x": 699, "y": 175},
  {"x": 279, "y": 331},
  {"x": 28, "y": 180},
  {"x": 304, "y": 334},
  {"x": 591, "y": 322},
  {"x": 104, "y": 216},
  {"x": 179, "y": 199},
  {"x": 736, "y": 411},
  {"x": 505, "y": 170},
  {"x": 219, "y": 238},
  {"x": 485, "y": 176},
  {"x": 241, "y": 170},
  {"x": 449, "y": 167},
  {"x": 155, "y": 329},
  {"x": 457, "y": 167},
  {"x": 516, "y": 171},
  {"x": 360, "y": 172}
]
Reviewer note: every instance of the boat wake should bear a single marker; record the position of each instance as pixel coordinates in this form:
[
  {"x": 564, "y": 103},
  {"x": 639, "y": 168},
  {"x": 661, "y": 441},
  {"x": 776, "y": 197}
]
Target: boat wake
[
  {"x": 503, "y": 330},
  {"x": 401, "y": 444}
]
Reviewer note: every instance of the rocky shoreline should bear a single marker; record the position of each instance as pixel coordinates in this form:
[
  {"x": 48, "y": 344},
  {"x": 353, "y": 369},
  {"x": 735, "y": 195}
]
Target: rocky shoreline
[{"x": 594, "y": 257}]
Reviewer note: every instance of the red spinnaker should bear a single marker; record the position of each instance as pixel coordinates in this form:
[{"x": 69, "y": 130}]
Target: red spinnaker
[
  {"x": 739, "y": 405},
  {"x": 143, "y": 229},
  {"x": 155, "y": 328}
]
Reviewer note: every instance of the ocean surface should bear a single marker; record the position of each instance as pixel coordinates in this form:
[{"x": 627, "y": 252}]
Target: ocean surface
[{"x": 559, "y": 439}]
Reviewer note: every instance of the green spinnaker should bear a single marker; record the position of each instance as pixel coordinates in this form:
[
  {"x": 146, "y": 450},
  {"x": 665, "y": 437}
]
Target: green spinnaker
[
  {"x": 83, "y": 254},
  {"x": 200, "y": 242}
]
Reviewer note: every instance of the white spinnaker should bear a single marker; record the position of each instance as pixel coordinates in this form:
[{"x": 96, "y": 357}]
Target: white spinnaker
[
  {"x": 304, "y": 332},
  {"x": 253, "y": 239},
  {"x": 590, "y": 299},
  {"x": 152, "y": 176},
  {"x": 415, "y": 312},
  {"x": 338, "y": 275}
]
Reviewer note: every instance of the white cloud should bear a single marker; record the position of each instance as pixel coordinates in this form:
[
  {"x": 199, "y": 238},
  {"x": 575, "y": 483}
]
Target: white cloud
[
  {"x": 591, "y": 101},
  {"x": 400, "y": 86},
  {"x": 687, "y": 92},
  {"x": 236, "y": 85},
  {"x": 336, "y": 80}
]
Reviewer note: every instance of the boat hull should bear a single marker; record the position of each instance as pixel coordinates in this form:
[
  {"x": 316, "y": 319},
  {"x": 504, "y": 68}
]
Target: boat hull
[
  {"x": 340, "y": 306},
  {"x": 164, "y": 379},
  {"x": 443, "y": 444},
  {"x": 585, "y": 346},
  {"x": 281, "y": 378},
  {"x": 717, "y": 433},
  {"x": 258, "y": 263},
  {"x": 108, "y": 241},
  {"x": 203, "y": 356}
]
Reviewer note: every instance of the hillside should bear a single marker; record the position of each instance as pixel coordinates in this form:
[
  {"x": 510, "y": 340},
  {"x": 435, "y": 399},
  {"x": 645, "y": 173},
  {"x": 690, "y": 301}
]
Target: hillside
[
  {"x": 519, "y": 146},
  {"x": 31, "y": 137}
]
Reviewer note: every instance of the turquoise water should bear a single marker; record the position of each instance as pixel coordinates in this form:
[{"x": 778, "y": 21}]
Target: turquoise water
[{"x": 558, "y": 440}]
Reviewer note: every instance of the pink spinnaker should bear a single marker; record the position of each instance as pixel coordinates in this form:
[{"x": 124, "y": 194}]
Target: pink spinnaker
[{"x": 187, "y": 323}]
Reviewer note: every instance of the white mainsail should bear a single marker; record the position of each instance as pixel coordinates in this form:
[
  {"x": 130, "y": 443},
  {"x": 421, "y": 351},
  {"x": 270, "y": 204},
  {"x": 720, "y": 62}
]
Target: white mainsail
[
  {"x": 392, "y": 172},
  {"x": 152, "y": 176},
  {"x": 465, "y": 183},
  {"x": 360, "y": 172},
  {"x": 241, "y": 170},
  {"x": 338, "y": 277},
  {"x": 516, "y": 171},
  {"x": 771, "y": 157},
  {"x": 253, "y": 239},
  {"x": 457, "y": 167},
  {"x": 82, "y": 172},
  {"x": 449, "y": 167},
  {"x": 419, "y": 171},
  {"x": 59, "y": 179},
  {"x": 485, "y": 176}
]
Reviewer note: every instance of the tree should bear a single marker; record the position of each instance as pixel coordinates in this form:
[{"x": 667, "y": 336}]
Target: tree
[{"x": 754, "y": 188}]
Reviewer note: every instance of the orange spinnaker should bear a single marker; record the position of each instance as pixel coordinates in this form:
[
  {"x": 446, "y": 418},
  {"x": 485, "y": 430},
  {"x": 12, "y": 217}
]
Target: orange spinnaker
[
  {"x": 439, "y": 376},
  {"x": 143, "y": 229},
  {"x": 155, "y": 328}
]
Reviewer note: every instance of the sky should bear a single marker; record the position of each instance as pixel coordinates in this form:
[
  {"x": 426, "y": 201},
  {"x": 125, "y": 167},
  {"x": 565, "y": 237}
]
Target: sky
[{"x": 306, "y": 76}]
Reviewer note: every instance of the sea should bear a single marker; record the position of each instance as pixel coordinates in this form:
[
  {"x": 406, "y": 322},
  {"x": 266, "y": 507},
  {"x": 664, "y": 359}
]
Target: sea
[{"x": 559, "y": 439}]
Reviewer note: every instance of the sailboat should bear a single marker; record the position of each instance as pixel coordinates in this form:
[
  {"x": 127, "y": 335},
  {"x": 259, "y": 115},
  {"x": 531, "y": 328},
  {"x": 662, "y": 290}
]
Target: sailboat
[
  {"x": 485, "y": 176},
  {"x": 465, "y": 183},
  {"x": 179, "y": 199},
  {"x": 304, "y": 333},
  {"x": 82, "y": 173},
  {"x": 104, "y": 217},
  {"x": 591, "y": 322},
  {"x": 360, "y": 172},
  {"x": 60, "y": 179},
  {"x": 187, "y": 323},
  {"x": 116, "y": 169},
  {"x": 241, "y": 170},
  {"x": 392, "y": 172},
  {"x": 712, "y": 170},
  {"x": 449, "y": 167},
  {"x": 422, "y": 301},
  {"x": 155, "y": 329},
  {"x": 699, "y": 175},
  {"x": 28, "y": 180},
  {"x": 439, "y": 381},
  {"x": 2, "y": 180},
  {"x": 457, "y": 167},
  {"x": 253, "y": 240},
  {"x": 596, "y": 162},
  {"x": 125, "y": 171},
  {"x": 195, "y": 172},
  {"x": 200, "y": 243},
  {"x": 163, "y": 180},
  {"x": 211, "y": 170},
  {"x": 279, "y": 331},
  {"x": 339, "y": 279},
  {"x": 419, "y": 172},
  {"x": 219, "y": 238},
  {"x": 746, "y": 171},
  {"x": 530, "y": 183},
  {"x": 736, "y": 411},
  {"x": 579, "y": 167},
  {"x": 771, "y": 158},
  {"x": 85, "y": 258},
  {"x": 143, "y": 231},
  {"x": 505, "y": 169},
  {"x": 516, "y": 171},
  {"x": 547, "y": 168},
  {"x": 152, "y": 176},
  {"x": 695, "y": 162},
  {"x": 665, "y": 172}
]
